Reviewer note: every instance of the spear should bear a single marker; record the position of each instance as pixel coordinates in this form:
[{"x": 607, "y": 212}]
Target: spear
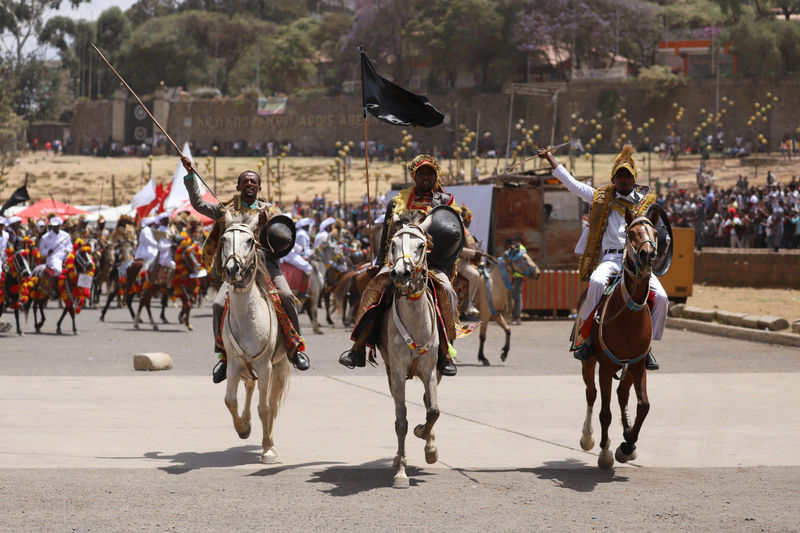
[
  {"x": 549, "y": 149},
  {"x": 103, "y": 58}
]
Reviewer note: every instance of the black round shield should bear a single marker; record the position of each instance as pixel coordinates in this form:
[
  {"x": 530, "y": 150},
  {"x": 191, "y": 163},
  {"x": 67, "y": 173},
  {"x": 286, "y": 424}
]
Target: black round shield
[
  {"x": 447, "y": 233},
  {"x": 663, "y": 259},
  {"x": 278, "y": 240}
]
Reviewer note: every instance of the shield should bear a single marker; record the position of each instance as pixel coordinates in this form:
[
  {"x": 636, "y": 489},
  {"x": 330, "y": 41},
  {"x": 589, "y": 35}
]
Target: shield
[
  {"x": 663, "y": 258},
  {"x": 278, "y": 239},
  {"x": 447, "y": 233}
]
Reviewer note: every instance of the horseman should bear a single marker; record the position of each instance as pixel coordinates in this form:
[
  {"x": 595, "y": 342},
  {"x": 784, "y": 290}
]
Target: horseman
[
  {"x": 248, "y": 185},
  {"x": 602, "y": 246},
  {"x": 80, "y": 229},
  {"x": 54, "y": 246},
  {"x": 100, "y": 232},
  {"x": 426, "y": 194},
  {"x": 469, "y": 259},
  {"x": 323, "y": 235},
  {"x": 298, "y": 256},
  {"x": 4, "y": 239}
]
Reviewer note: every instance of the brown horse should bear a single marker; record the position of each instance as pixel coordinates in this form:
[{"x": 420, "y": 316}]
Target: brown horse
[
  {"x": 348, "y": 292},
  {"x": 185, "y": 282},
  {"x": 621, "y": 340},
  {"x": 157, "y": 281}
]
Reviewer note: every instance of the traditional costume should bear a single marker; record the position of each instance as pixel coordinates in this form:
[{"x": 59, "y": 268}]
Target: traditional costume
[{"x": 603, "y": 242}]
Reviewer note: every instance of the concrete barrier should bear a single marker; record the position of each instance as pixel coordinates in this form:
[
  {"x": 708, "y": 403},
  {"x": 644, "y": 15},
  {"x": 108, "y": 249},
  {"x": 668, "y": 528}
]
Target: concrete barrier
[
  {"x": 152, "y": 361},
  {"x": 796, "y": 326},
  {"x": 676, "y": 310},
  {"x": 731, "y": 318},
  {"x": 750, "y": 321},
  {"x": 698, "y": 313},
  {"x": 733, "y": 332},
  {"x": 773, "y": 323}
]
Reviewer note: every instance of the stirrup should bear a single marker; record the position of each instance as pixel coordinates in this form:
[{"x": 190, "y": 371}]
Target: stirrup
[{"x": 353, "y": 358}]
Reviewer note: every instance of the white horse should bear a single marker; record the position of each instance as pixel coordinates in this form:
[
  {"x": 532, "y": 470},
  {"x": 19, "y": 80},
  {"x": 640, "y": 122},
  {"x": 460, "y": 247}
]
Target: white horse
[
  {"x": 251, "y": 333},
  {"x": 409, "y": 340}
]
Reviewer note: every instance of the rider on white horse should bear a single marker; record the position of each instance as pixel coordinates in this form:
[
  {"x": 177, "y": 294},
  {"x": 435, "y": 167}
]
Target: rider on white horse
[
  {"x": 55, "y": 245},
  {"x": 248, "y": 186},
  {"x": 147, "y": 250},
  {"x": 602, "y": 253}
]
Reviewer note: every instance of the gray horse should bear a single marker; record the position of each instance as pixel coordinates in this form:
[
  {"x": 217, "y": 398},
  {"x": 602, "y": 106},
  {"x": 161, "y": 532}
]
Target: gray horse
[{"x": 409, "y": 340}]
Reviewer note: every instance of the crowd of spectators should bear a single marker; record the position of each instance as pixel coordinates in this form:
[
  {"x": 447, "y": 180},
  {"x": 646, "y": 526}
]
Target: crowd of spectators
[{"x": 743, "y": 216}]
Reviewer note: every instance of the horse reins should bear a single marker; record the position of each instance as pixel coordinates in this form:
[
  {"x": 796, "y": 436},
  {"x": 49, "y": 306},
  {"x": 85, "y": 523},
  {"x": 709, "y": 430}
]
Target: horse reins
[
  {"x": 235, "y": 230},
  {"x": 405, "y": 233}
]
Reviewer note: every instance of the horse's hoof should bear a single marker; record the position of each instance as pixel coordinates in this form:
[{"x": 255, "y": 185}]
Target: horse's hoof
[
  {"x": 135, "y": 325},
  {"x": 484, "y": 361},
  {"x": 587, "y": 442},
  {"x": 622, "y": 457},
  {"x": 246, "y": 433},
  {"x": 400, "y": 482},
  {"x": 75, "y": 332},
  {"x": 102, "y": 318},
  {"x": 20, "y": 333},
  {"x": 504, "y": 356},
  {"x": 431, "y": 454},
  {"x": 155, "y": 327},
  {"x": 418, "y": 431},
  {"x": 58, "y": 331},
  {"x": 606, "y": 459},
  {"x": 318, "y": 331},
  {"x": 189, "y": 327},
  {"x": 270, "y": 457}
]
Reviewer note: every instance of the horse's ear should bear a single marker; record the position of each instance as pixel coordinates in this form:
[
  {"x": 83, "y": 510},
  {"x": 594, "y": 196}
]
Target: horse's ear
[
  {"x": 628, "y": 217},
  {"x": 228, "y": 217},
  {"x": 655, "y": 215}
]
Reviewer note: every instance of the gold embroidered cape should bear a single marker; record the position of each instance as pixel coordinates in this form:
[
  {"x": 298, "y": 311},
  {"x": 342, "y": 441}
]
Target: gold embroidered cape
[{"x": 603, "y": 202}]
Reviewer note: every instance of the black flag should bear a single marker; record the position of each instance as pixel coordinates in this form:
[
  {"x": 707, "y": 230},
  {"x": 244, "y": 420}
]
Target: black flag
[
  {"x": 392, "y": 103},
  {"x": 19, "y": 196}
]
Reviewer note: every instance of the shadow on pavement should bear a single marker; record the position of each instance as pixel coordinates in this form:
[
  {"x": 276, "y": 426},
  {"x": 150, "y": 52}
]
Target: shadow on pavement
[
  {"x": 186, "y": 461},
  {"x": 350, "y": 480},
  {"x": 571, "y": 474},
  {"x": 271, "y": 471}
]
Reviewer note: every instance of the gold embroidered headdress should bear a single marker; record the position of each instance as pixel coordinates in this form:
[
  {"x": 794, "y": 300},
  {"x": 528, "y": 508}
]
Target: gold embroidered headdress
[
  {"x": 625, "y": 160},
  {"x": 422, "y": 160}
]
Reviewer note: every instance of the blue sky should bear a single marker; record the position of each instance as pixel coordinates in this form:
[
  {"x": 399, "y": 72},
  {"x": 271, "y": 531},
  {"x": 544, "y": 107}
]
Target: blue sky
[{"x": 91, "y": 10}]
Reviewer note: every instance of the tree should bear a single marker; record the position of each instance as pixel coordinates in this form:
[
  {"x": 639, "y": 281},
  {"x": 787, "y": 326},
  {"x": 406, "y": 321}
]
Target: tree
[
  {"x": 144, "y": 10},
  {"x": 470, "y": 29},
  {"x": 158, "y": 50},
  {"x": 23, "y": 18},
  {"x": 113, "y": 27},
  {"x": 72, "y": 39}
]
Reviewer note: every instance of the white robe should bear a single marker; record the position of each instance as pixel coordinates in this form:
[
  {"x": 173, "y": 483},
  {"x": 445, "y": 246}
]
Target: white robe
[{"x": 55, "y": 247}]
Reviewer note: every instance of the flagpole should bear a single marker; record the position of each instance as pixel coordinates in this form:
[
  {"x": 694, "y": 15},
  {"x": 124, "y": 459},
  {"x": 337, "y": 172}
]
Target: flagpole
[
  {"x": 150, "y": 115},
  {"x": 369, "y": 202}
]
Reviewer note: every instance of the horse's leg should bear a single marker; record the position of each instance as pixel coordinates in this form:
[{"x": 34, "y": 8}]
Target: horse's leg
[
  {"x": 606, "y": 458},
  {"x": 425, "y": 431},
  {"x": 147, "y": 297},
  {"x": 137, "y": 317},
  {"x": 315, "y": 290},
  {"x": 587, "y": 369},
  {"x": 164, "y": 299},
  {"x": 397, "y": 384},
  {"x": 111, "y": 294},
  {"x": 278, "y": 376},
  {"x": 16, "y": 319},
  {"x": 627, "y": 450},
  {"x": 234, "y": 371},
  {"x": 58, "y": 324},
  {"x": 501, "y": 321},
  {"x": 129, "y": 304},
  {"x": 485, "y": 317},
  {"x": 187, "y": 310},
  {"x": 38, "y": 304}
]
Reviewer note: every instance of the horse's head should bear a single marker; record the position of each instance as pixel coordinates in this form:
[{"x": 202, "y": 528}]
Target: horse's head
[
  {"x": 84, "y": 261},
  {"x": 21, "y": 264},
  {"x": 408, "y": 258},
  {"x": 191, "y": 259},
  {"x": 641, "y": 238},
  {"x": 520, "y": 262},
  {"x": 334, "y": 257},
  {"x": 238, "y": 247}
]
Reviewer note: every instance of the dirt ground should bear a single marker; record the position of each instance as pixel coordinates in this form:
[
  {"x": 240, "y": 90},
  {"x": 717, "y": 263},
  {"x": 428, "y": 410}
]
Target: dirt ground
[
  {"x": 783, "y": 303},
  {"x": 85, "y": 180}
]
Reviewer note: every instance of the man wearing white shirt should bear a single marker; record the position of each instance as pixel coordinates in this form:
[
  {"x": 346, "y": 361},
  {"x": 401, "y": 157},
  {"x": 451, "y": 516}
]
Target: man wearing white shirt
[
  {"x": 602, "y": 254},
  {"x": 147, "y": 250},
  {"x": 299, "y": 255},
  {"x": 55, "y": 245},
  {"x": 322, "y": 235}
]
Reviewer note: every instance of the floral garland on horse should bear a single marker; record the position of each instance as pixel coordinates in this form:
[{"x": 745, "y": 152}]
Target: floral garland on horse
[
  {"x": 71, "y": 294},
  {"x": 20, "y": 289},
  {"x": 183, "y": 285}
]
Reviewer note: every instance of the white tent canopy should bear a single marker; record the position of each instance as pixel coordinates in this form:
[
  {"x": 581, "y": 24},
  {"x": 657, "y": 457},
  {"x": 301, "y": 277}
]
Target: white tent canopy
[{"x": 111, "y": 214}]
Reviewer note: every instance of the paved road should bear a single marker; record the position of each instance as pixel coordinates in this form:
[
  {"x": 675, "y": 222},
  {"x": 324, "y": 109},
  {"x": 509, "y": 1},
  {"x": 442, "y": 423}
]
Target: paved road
[{"x": 87, "y": 443}]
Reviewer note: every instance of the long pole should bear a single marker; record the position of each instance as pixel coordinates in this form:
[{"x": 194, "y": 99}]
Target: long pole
[
  {"x": 147, "y": 111},
  {"x": 369, "y": 202},
  {"x": 508, "y": 132}
]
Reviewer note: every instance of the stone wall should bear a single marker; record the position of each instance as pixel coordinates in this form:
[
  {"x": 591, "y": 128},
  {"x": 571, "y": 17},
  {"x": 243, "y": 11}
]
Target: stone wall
[
  {"x": 91, "y": 122},
  {"x": 314, "y": 124},
  {"x": 762, "y": 268}
]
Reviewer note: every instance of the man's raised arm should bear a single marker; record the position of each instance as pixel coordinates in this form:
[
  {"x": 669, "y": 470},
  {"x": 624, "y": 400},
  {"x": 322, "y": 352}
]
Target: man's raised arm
[
  {"x": 581, "y": 190},
  {"x": 212, "y": 211}
]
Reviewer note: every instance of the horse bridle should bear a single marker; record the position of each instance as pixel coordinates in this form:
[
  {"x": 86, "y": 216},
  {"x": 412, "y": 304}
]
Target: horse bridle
[
  {"x": 21, "y": 265},
  {"x": 630, "y": 248},
  {"x": 83, "y": 260},
  {"x": 419, "y": 270},
  {"x": 513, "y": 262},
  {"x": 247, "y": 263}
]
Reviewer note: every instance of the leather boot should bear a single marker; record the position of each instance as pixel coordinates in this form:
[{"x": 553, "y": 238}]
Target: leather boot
[
  {"x": 353, "y": 358},
  {"x": 300, "y": 361},
  {"x": 446, "y": 365},
  {"x": 220, "y": 371},
  {"x": 650, "y": 362},
  {"x": 584, "y": 352}
]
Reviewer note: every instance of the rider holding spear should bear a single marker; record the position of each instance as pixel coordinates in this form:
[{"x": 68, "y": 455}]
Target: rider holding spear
[{"x": 601, "y": 248}]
